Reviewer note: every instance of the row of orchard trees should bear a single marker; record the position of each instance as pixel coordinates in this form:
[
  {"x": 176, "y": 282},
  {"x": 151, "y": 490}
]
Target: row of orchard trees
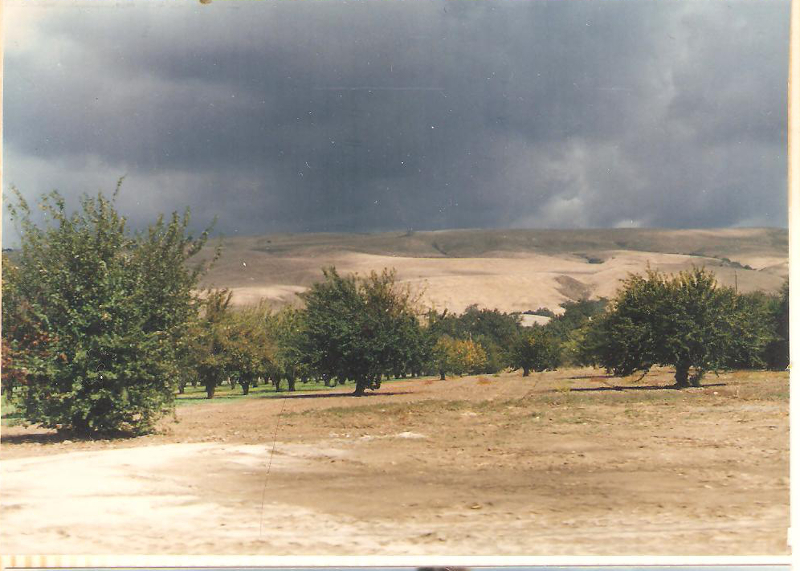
[
  {"x": 350, "y": 328},
  {"x": 686, "y": 321},
  {"x": 359, "y": 329},
  {"x": 103, "y": 326}
]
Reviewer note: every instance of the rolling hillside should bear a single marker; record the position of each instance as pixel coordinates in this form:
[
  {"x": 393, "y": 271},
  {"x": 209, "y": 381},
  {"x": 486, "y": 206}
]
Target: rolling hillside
[{"x": 512, "y": 270}]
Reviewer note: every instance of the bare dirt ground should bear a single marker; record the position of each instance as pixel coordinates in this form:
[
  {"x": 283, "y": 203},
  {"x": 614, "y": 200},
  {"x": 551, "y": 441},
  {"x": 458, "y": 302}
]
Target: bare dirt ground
[{"x": 570, "y": 462}]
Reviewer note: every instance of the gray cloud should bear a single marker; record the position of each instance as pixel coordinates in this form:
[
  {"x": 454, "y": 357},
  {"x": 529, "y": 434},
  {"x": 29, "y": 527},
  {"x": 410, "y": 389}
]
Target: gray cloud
[{"x": 385, "y": 114}]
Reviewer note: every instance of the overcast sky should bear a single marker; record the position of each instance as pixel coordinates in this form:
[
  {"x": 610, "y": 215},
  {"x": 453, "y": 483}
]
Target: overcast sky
[{"x": 334, "y": 115}]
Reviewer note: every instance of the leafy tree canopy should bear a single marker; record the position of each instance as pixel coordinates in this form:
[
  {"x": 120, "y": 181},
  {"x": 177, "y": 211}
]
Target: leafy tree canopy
[
  {"x": 686, "y": 321},
  {"x": 494, "y": 330},
  {"x": 776, "y": 354},
  {"x": 358, "y": 328},
  {"x": 94, "y": 314},
  {"x": 536, "y": 350},
  {"x": 458, "y": 356}
]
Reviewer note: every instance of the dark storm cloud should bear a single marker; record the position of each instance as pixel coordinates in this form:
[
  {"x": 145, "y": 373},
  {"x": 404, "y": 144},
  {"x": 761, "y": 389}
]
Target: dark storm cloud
[{"x": 370, "y": 115}]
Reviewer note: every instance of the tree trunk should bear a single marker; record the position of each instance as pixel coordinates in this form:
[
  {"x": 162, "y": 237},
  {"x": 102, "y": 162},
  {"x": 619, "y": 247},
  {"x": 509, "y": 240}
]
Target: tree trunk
[
  {"x": 361, "y": 386},
  {"x": 245, "y": 387},
  {"x": 291, "y": 381},
  {"x": 181, "y": 387},
  {"x": 210, "y": 388},
  {"x": 682, "y": 375},
  {"x": 526, "y": 372},
  {"x": 441, "y": 376}
]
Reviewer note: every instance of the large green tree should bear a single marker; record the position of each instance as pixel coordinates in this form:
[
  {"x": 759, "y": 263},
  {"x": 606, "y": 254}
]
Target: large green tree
[
  {"x": 96, "y": 313},
  {"x": 686, "y": 321},
  {"x": 357, "y": 328}
]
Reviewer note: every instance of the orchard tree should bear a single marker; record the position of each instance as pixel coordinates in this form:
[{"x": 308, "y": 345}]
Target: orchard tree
[
  {"x": 570, "y": 329},
  {"x": 443, "y": 356},
  {"x": 686, "y": 321},
  {"x": 776, "y": 354},
  {"x": 575, "y": 315},
  {"x": 580, "y": 347},
  {"x": 458, "y": 356},
  {"x": 210, "y": 357},
  {"x": 494, "y": 330},
  {"x": 536, "y": 350},
  {"x": 415, "y": 354},
  {"x": 94, "y": 314},
  {"x": 622, "y": 340},
  {"x": 329, "y": 341},
  {"x": 284, "y": 329},
  {"x": 24, "y": 341},
  {"x": 472, "y": 356},
  {"x": 755, "y": 331},
  {"x": 357, "y": 327},
  {"x": 249, "y": 350}
]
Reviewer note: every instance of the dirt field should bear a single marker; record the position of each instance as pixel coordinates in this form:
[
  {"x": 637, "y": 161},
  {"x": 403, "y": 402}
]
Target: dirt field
[{"x": 571, "y": 462}]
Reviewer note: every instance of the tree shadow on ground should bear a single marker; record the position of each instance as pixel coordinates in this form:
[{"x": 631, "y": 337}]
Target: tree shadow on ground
[
  {"x": 58, "y": 437},
  {"x": 643, "y": 388},
  {"x": 334, "y": 395},
  {"x": 592, "y": 377}
]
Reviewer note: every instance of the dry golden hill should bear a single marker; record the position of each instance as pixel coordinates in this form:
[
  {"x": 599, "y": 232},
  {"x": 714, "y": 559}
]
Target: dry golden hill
[{"x": 512, "y": 270}]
